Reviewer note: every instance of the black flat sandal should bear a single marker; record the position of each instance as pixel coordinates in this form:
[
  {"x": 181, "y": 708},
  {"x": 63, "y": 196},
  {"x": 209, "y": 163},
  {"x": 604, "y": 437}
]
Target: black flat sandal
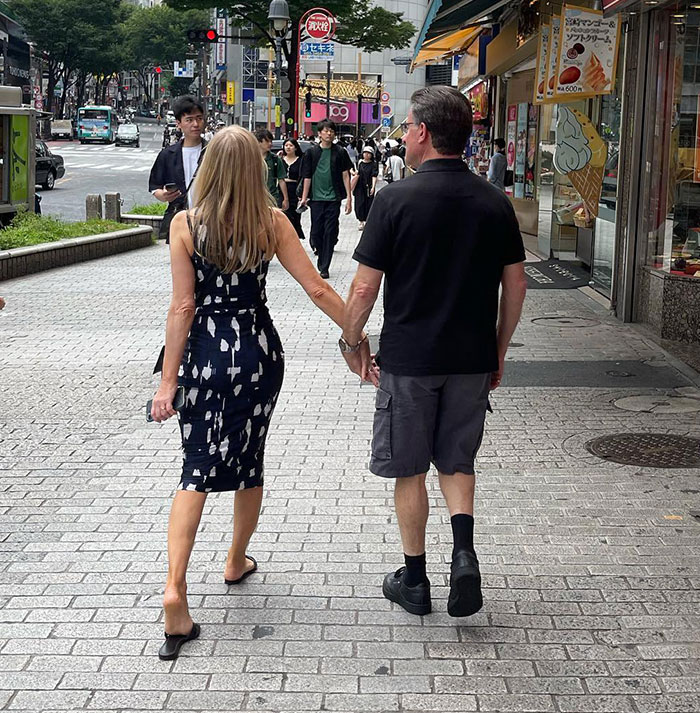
[
  {"x": 229, "y": 582},
  {"x": 173, "y": 643}
]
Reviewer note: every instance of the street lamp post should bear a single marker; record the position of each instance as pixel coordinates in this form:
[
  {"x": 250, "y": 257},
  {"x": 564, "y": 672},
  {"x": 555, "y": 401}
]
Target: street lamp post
[{"x": 278, "y": 16}]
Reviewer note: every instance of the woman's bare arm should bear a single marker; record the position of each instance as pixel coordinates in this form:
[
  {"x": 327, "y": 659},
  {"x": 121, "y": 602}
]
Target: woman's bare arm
[{"x": 296, "y": 262}]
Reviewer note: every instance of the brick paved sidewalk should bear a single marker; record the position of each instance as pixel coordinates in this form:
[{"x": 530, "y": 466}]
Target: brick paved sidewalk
[{"x": 591, "y": 569}]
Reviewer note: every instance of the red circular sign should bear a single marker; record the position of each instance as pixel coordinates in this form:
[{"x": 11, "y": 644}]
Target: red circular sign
[{"x": 320, "y": 25}]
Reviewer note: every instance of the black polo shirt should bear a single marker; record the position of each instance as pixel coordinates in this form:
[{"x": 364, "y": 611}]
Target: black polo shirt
[{"x": 442, "y": 237}]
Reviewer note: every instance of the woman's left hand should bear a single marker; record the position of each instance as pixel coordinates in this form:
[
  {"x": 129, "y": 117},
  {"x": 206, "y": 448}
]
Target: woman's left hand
[{"x": 162, "y": 408}]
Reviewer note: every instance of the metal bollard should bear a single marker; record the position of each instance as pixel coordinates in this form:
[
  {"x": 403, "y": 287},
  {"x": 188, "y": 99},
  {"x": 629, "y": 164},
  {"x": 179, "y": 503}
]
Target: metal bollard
[
  {"x": 113, "y": 207},
  {"x": 93, "y": 206}
]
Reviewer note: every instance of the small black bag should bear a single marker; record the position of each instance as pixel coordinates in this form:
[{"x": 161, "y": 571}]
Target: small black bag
[{"x": 508, "y": 178}]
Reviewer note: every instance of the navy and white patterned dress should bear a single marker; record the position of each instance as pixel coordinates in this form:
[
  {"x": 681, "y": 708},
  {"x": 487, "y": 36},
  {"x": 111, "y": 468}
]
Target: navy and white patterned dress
[{"x": 232, "y": 370}]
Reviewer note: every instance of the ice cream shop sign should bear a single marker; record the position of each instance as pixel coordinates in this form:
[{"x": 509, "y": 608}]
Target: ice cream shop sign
[{"x": 577, "y": 56}]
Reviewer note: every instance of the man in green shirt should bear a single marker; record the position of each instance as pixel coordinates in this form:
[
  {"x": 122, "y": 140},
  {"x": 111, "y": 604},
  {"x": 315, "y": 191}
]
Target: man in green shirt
[
  {"x": 276, "y": 172},
  {"x": 326, "y": 173}
]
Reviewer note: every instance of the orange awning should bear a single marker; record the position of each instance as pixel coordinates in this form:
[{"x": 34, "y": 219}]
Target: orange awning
[{"x": 446, "y": 45}]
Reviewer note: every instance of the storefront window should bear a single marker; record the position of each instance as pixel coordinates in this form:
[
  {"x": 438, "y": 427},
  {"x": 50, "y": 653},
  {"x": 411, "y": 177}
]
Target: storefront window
[
  {"x": 674, "y": 164},
  {"x": 609, "y": 130}
]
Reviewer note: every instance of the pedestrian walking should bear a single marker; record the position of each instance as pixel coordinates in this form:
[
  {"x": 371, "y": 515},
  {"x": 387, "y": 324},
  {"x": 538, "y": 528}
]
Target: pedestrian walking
[
  {"x": 326, "y": 173},
  {"x": 292, "y": 161},
  {"x": 395, "y": 167},
  {"x": 351, "y": 148},
  {"x": 276, "y": 171},
  {"x": 364, "y": 184},
  {"x": 176, "y": 165},
  {"x": 447, "y": 241},
  {"x": 498, "y": 165},
  {"x": 221, "y": 338}
]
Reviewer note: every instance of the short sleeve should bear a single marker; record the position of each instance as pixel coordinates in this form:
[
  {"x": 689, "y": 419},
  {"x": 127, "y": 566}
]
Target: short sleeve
[
  {"x": 375, "y": 169},
  {"x": 513, "y": 249},
  {"x": 376, "y": 244}
]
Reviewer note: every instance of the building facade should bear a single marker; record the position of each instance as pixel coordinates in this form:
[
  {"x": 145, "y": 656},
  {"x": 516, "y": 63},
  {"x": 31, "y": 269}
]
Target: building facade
[{"x": 631, "y": 217}]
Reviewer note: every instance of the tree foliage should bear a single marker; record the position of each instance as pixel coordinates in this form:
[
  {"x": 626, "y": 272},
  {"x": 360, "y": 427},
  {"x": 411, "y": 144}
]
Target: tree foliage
[{"x": 360, "y": 23}]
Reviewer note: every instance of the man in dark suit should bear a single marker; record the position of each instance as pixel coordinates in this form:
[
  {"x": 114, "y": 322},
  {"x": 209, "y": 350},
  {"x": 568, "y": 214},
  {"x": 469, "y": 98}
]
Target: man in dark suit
[{"x": 176, "y": 165}]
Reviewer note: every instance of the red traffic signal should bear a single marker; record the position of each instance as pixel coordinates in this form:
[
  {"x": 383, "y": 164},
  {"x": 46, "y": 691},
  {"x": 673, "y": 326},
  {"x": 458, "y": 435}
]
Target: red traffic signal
[
  {"x": 158, "y": 70},
  {"x": 210, "y": 35}
]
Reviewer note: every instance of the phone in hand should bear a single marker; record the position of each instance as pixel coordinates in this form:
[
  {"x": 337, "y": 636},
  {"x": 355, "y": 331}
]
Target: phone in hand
[
  {"x": 178, "y": 402},
  {"x": 170, "y": 187}
]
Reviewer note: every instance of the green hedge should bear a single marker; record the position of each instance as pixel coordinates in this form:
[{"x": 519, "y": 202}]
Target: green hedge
[
  {"x": 30, "y": 229},
  {"x": 158, "y": 208}
]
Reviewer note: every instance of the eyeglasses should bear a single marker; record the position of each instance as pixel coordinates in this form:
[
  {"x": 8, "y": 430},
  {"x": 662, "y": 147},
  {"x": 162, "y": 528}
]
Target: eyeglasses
[{"x": 405, "y": 124}]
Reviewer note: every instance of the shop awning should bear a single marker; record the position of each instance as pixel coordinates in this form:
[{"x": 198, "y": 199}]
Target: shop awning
[
  {"x": 448, "y": 16},
  {"x": 446, "y": 45}
]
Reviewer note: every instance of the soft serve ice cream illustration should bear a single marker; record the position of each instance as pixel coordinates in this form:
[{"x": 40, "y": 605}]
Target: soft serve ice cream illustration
[{"x": 581, "y": 155}]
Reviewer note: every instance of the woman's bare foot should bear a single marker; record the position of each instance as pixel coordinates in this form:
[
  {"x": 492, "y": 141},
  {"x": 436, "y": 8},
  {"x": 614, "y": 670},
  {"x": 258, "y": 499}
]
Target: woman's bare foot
[
  {"x": 235, "y": 570},
  {"x": 177, "y": 614}
]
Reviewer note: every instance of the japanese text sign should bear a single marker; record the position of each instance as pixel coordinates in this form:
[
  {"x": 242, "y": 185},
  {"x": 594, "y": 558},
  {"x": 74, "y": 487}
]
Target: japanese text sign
[{"x": 587, "y": 56}]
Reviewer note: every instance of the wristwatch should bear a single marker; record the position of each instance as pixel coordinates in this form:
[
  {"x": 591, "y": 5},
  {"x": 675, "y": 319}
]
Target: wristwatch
[{"x": 346, "y": 348}]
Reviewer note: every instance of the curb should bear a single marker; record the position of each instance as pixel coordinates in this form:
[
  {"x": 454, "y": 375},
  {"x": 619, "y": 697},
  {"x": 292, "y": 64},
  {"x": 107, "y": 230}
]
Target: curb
[{"x": 17, "y": 262}]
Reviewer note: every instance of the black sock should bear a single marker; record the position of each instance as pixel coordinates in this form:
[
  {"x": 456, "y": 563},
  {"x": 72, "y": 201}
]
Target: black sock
[
  {"x": 415, "y": 570},
  {"x": 463, "y": 532}
]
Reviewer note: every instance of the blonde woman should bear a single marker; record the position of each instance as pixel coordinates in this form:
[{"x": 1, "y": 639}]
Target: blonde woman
[{"x": 221, "y": 340}]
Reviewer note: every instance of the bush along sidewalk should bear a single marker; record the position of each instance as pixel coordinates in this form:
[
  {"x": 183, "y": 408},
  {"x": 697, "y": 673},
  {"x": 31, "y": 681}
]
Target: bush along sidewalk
[
  {"x": 33, "y": 243},
  {"x": 158, "y": 208},
  {"x": 30, "y": 229}
]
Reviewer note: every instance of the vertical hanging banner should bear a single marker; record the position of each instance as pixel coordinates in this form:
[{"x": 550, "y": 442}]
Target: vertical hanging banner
[
  {"x": 230, "y": 93},
  {"x": 19, "y": 155},
  {"x": 552, "y": 55},
  {"x": 588, "y": 48},
  {"x": 520, "y": 152},
  {"x": 511, "y": 136},
  {"x": 221, "y": 31},
  {"x": 541, "y": 66}
]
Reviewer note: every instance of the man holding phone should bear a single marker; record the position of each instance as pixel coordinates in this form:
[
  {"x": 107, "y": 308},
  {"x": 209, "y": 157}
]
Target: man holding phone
[{"x": 176, "y": 165}]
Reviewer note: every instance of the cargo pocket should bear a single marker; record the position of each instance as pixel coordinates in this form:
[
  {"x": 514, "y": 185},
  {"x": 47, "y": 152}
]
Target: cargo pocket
[{"x": 381, "y": 438}]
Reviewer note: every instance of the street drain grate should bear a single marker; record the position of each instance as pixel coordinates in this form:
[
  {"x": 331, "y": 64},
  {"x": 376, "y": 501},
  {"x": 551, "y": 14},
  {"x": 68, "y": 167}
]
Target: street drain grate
[{"x": 651, "y": 450}]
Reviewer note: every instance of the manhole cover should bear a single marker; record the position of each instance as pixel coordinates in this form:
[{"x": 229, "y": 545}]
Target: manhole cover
[
  {"x": 652, "y": 450},
  {"x": 658, "y": 404},
  {"x": 565, "y": 321}
]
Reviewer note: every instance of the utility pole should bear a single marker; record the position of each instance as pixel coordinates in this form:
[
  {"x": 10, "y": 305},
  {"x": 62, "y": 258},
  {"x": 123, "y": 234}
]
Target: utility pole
[{"x": 328, "y": 90}]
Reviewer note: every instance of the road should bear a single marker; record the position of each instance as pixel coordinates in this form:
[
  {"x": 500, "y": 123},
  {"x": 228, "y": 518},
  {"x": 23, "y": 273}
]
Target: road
[{"x": 100, "y": 168}]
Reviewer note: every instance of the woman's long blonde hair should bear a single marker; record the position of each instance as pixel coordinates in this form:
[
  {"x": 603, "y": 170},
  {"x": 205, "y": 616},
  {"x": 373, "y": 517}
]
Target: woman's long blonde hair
[{"x": 233, "y": 217}]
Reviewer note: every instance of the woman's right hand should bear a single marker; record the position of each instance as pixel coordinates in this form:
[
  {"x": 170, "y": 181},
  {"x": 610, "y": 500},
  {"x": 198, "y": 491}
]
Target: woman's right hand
[{"x": 162, "y": 408}]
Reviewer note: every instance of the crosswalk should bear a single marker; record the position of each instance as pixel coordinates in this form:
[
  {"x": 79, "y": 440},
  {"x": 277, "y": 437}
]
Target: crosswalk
[{"x": 120, "y": 159}]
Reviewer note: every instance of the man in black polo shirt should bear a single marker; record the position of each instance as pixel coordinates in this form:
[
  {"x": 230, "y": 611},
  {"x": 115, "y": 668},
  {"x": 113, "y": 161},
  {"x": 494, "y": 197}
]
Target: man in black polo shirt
[
  {"x": 446, "y": 240},
  {"x": 326, "y": 169}
]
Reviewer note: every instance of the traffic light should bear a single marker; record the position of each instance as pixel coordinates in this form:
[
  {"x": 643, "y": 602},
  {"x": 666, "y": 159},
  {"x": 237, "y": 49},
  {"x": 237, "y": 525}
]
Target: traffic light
[
  {"x": 157, "y": 70},
  {"x": 375, "y": 111},
  {"x": 307, "y": 104},
  {"x": 210, "y": 35}
]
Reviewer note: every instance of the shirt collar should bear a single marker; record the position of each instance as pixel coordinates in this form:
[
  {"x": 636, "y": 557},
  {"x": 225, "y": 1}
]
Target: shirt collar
[{"x": 443, "y": 164}]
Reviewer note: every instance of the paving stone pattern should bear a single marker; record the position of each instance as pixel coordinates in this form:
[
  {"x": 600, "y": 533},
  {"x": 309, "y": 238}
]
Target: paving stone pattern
[{"x": 590, "y": 569}]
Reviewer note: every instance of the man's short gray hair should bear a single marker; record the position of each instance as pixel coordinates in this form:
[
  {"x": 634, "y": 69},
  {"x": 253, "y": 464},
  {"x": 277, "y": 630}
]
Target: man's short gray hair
[{"x": 447, "y": 114}]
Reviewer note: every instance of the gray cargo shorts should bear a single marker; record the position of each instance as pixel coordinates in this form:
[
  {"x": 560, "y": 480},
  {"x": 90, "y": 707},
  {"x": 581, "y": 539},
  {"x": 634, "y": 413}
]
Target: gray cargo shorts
[{"x": 419, "y": 420}]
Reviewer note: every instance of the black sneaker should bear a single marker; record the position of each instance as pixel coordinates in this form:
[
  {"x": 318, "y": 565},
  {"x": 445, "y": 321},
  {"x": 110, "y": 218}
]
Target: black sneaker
[
  {"x": 415, "y": 600},
  {"x": 324, "y": 274},
  {"x": 465, "y": 585}
]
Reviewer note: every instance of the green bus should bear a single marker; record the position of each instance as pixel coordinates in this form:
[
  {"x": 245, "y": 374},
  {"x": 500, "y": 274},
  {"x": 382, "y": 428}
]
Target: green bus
[{"x": 97, "y": 123}]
